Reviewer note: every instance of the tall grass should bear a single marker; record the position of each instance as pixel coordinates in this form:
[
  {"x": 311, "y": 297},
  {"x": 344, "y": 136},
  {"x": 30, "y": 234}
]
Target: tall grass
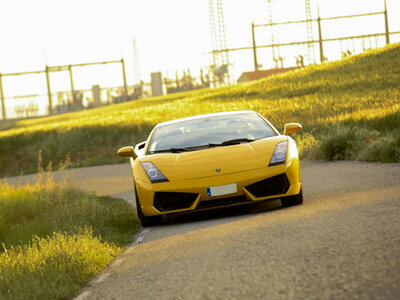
[
  {"x": 53, "y": 267},
  {"x": 340, "y": 105},
  {"x": 41, "y": 210},
  {"x": 54, "y": 237}
]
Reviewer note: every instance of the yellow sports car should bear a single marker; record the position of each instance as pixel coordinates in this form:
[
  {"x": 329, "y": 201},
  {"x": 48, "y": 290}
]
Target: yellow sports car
[{"x": 213, "y": 160}]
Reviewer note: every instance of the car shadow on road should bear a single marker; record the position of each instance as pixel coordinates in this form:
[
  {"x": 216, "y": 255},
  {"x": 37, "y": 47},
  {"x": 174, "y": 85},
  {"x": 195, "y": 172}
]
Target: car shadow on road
[{"x": 223, "y": 214}]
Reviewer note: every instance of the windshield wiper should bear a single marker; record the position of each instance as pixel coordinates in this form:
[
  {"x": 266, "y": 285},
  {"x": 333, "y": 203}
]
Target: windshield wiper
[
  {"x": 172, "y": 150},
  {"x": 199, "y": 147},
  {"x": 231, "y": 142}
]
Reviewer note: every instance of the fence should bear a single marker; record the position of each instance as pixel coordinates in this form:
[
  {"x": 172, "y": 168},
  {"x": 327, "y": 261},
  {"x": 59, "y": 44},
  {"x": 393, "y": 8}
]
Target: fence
[
  {"x": 367, "y": 40},
  {"x": 61, "y": 101}
]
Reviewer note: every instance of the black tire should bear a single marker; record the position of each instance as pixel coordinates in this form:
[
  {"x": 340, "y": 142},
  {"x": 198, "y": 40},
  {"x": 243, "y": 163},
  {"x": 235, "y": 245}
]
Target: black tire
[
  {"x": 292, "y": 200},
  {"x": 146, "y": 221}
]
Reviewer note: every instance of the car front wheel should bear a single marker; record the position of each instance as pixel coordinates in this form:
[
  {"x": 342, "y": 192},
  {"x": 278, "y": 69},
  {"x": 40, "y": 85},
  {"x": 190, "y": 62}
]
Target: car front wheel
[{"x": 292, "y": 200}]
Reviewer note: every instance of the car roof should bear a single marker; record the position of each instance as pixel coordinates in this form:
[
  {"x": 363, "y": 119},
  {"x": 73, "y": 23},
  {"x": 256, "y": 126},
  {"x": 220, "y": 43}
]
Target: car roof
[{"x": 226, "y": 113}]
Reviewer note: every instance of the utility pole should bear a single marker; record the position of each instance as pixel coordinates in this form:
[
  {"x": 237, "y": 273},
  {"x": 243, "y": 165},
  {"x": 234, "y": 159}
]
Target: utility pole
[
  {"x": 254, "y": 48},
  {"x": 3, "y": 106},
  {"x": 50, "y": 109},
  {"x": 321, "y": 48},
  {"x": 124, "y": 77},
  {"x": 72, "y": 84},
  {"x": 386, "y": 25}
]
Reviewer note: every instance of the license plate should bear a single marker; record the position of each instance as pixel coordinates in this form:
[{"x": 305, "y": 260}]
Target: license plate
[{"x": 221, "y": 190}]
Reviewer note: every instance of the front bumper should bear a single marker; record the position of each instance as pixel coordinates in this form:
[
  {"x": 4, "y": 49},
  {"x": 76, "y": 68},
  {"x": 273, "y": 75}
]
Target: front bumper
[{"x": 164, "y": 198}]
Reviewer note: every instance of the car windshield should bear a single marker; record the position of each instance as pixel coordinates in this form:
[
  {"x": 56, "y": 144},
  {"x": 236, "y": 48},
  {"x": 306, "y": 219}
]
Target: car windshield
[{"x": 208, "y": 132}]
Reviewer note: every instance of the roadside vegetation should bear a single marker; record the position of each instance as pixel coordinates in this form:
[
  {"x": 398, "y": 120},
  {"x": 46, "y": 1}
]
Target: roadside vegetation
[
  {"x": 349, "y": 110},
  {"x": 55, "y": 237}
]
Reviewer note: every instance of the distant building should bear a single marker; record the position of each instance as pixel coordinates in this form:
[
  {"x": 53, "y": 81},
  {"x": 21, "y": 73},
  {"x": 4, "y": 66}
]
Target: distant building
[
  {"x": 157, "y": 85},
  {"x": 255, "y": 75},
  {"x": 96, "y": 95}
]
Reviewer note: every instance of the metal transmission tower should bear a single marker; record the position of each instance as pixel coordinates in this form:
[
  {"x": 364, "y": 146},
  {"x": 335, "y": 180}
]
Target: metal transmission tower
[
  {"x": 310, "y": 35},
  {"x": 136, "y": 62},
  {"x": 220, "y": 59},
  {"x": 221, "y": 32},
  {"x": 275, "y": 50},
  {"x": 213, "y": 32}
]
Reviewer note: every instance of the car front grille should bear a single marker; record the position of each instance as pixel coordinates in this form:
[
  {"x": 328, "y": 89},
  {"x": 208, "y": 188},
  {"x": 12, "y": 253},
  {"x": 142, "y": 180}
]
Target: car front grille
[
  {"x": 167, "y": 201},
  {"x": 222, "y": 202},
  {"x": 271, "y": 186}
]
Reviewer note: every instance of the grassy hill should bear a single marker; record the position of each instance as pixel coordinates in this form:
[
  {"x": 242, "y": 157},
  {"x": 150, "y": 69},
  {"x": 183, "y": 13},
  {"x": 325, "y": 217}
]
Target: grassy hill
[{"x": 349, "y": 109}]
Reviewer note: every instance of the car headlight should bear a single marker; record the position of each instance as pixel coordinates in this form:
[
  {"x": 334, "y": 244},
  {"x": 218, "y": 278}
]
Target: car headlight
[
  {"x": 279, "y": 156},
  {"x": 153, "y": 173}
]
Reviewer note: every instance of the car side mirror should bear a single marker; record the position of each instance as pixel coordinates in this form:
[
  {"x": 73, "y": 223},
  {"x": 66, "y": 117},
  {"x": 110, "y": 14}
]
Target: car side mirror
[
  {"x": 127, "y": 152},
  {"x": 291, "y": 128}
]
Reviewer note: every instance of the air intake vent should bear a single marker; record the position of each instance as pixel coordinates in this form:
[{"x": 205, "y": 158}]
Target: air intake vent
[
  {"x": 222, "y": 202},
  {"x": 268, "y": 187},
  {"x": 166, "y": 201}
]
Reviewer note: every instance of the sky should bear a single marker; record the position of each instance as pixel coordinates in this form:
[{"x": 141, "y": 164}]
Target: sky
[{"x": 170, "y": 35}]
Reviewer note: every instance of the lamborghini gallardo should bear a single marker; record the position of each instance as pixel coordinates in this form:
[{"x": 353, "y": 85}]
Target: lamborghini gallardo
[{"x": 211, "y": 161}]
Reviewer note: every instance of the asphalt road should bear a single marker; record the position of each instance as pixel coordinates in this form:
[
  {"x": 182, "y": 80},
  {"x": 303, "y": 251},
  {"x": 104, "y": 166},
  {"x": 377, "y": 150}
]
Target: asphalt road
[{"x": 342, "y": 243}]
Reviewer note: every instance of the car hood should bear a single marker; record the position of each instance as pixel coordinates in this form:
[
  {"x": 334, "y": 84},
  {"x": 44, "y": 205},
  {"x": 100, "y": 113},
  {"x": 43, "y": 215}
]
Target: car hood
[{"x": 204, "y": 163}]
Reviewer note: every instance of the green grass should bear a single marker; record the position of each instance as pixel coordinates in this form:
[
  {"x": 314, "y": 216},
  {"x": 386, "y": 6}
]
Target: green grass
[
  {"x": 54, "y": 238},
  {"x": 54, "y": 267},
  {"x": 340, "y": 104}
]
